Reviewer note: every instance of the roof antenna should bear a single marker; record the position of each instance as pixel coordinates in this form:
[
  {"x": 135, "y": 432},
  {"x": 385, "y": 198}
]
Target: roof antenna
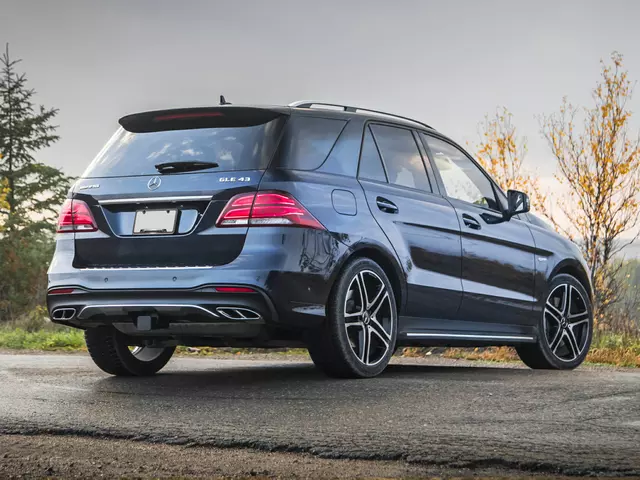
[{"x": 223, "y": 101}]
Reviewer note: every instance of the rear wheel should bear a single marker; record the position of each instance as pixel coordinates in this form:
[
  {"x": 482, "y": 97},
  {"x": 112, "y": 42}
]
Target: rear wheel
[
  {"x": 565, "y": 329},
  {"x": 112, "y": 352},
  {"x": 359, "y": 335}
]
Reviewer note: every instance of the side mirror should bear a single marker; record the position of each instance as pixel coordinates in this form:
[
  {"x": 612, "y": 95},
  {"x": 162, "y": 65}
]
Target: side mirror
[{"x": 518, "y": 203}]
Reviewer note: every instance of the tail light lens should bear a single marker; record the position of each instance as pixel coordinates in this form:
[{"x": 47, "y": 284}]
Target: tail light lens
[
  {"x": 76, "y": 216},
  {"x": 265, "y": 209}
]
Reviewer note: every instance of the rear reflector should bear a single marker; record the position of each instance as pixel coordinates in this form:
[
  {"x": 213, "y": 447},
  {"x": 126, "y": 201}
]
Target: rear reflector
[
  {"x": 60, "y": 291},
  {"x": 235, "y": 290},
  {"x": 75, "y": 216},
  {"x": 265, "y": 209}
]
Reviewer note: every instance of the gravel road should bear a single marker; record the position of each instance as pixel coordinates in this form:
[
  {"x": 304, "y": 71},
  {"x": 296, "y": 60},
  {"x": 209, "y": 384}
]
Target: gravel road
[{"x": 447, "y": 415}]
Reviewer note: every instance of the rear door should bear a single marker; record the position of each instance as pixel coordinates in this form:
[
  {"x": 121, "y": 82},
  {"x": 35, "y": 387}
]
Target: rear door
[
  {"x": 150, "y": 217},
  {"x": 498, "y": 262},
  {"x": 421, "y": 226}
]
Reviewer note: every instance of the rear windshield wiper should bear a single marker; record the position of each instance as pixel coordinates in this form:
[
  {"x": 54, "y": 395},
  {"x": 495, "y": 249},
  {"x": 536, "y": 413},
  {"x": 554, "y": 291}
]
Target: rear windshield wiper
[{"x": 186, "y": 166}]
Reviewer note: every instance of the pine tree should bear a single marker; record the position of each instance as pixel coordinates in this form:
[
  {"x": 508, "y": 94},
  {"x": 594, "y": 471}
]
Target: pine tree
[
  {"x": 30, "y": 194},
  {"x": 33, "y": 190}
]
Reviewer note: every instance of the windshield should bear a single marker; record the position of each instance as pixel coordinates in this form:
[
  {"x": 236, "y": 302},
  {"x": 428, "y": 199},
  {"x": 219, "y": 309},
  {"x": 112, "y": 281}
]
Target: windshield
[{"x": 237, "y": 148}]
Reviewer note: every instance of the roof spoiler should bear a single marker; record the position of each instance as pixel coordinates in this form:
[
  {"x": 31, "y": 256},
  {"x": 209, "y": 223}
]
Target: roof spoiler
[{"x": 200, "y": 117}]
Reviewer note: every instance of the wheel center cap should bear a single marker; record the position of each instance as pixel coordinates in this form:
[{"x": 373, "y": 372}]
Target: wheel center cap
[
  {"x": 365, "y": 318},
  {"x": 563, "y": 322}
]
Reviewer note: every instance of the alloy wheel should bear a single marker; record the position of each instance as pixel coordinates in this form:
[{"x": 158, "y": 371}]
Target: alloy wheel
[
  {"x": 368, "y": 318},
  {"x": 146, "y": 354},
  {"x": 566, "y": 322}
]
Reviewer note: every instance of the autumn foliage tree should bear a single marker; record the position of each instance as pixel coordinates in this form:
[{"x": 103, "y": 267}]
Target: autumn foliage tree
[
  {"x": 599, "y": 165},
  {"x": 501, "y": 151}
]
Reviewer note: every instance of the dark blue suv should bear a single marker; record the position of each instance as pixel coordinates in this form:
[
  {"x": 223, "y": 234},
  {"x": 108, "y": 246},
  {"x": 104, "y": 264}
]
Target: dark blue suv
[{"x": 348, "y": 231}]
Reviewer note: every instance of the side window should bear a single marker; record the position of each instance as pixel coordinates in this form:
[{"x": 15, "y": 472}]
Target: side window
[
  {"x": 401, "y": 157},
  {"x": 308, "y": 140},
  {"x": 370, "y": 162},
  {"x": 462, "y": 179}
]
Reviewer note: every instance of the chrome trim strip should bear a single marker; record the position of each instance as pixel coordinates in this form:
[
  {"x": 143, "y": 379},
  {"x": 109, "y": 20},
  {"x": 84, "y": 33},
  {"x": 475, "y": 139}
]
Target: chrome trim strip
[
  {"x": 478, "y": 337},
  {"x": 150, "y": 305},
  {"x": 189, "y": 198},
  {"x": 109, "y": 269}
]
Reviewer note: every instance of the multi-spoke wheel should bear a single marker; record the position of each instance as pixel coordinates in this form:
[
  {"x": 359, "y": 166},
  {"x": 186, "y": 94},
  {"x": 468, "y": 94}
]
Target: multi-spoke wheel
[
  {"x": 565, "y": 329},
  {"x": 359, "y": 335},
  {"x": 368, "y": 319},
  {"x": 112, "y": 352}
]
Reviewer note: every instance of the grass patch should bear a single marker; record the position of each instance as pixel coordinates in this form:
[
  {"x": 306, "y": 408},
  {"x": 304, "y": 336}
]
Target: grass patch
[
  {"x": 35, "y": 333},
  {"x": 207, "y": 351},
  {"x": 606, "y": 349},
  {"x": 55, "y": 339},
  {"x": 491, "y": 354}
]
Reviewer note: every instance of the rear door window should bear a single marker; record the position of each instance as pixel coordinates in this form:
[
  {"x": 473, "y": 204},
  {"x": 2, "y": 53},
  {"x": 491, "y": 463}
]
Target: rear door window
[
  {"x": 234, "y": 148},
  {"x": 370, "y": 162},
  {"x": 402, "y": 159},
  {"x": 308, "y": 141}
]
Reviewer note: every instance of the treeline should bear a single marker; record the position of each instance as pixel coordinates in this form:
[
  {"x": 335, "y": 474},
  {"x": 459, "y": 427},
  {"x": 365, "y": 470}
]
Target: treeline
[
  {"x": 595, "y": 203},
  {"x": 598, "y": 165},
  {"x": 30, "y": 194}
]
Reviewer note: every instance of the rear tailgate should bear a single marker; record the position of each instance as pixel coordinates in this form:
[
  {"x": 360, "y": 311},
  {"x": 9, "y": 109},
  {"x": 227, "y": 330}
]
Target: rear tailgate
[{"x": 147, "y": 219}]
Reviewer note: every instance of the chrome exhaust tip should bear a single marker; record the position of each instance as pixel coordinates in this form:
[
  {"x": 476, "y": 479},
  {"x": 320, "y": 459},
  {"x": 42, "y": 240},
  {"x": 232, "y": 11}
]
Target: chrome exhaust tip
[
  {"x": 238, "y": 313},
  {"x": 63, "y": 314}
]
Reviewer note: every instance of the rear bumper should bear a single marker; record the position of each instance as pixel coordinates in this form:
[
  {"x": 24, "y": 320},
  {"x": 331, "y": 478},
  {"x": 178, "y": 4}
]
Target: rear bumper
[
  {"x": 174, "y": 313},
  {"x": 290, "y": 269}
]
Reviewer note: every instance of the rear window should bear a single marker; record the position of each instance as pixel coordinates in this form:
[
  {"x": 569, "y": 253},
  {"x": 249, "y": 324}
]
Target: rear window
[
  {"x": 234, "y": 148},
  {"x": 308, "y": 141}
]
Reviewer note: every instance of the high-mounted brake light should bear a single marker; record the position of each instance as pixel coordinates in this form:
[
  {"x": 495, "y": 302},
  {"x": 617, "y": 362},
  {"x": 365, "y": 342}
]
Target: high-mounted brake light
[
  {"x": 266, "y": 209},
  {"x": 184, "y": 116},
  {"x": 76, "y": 216}
]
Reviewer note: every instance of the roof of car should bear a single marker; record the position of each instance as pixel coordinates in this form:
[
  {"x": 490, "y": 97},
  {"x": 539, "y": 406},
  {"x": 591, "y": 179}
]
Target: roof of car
[
  {"x": 142, "y": 120},
  {"x": 348, "y": 110}
]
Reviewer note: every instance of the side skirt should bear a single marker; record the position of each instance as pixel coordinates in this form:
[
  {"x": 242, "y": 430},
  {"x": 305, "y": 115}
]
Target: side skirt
[{"x": 437, "y": 332}]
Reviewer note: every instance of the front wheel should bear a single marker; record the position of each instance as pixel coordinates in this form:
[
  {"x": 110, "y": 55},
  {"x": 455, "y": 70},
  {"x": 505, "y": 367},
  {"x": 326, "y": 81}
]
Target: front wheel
[
  {"x": 565, "y": 329},
  {"x": 359, "y": 335},
  {"x": 111, "y": 351}
]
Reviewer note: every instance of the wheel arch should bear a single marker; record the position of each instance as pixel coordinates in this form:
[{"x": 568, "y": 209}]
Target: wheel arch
[
  {"x": 573, "y": 268},
  {"x": 387, "y": 262}
]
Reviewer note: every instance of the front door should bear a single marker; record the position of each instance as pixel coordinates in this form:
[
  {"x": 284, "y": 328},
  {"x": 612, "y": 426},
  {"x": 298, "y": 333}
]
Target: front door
[
  {"x": 421, "y": 226},
  {"x": 498, "y": 261}
]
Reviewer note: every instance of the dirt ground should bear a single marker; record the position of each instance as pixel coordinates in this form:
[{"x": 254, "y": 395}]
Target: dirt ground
[{"x": 24, "y": 457}]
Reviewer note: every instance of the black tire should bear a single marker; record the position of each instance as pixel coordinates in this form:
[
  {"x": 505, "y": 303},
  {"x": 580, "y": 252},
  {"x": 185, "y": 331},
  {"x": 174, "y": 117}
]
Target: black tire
[
  {"x": 109, "y": 350},
  {"x": 570, "y": 350},
  {"x": 333, "y": 349}
]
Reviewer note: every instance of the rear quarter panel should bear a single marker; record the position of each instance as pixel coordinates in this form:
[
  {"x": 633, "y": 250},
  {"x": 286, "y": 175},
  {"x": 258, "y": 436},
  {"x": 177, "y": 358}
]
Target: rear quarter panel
[{"x": 355, "y": 228}]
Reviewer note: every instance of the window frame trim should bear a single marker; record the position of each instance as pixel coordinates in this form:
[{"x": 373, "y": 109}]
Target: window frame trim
[
  {"x": 431, "y": 183},
  {"x": 375, "y": 144},
  {"x": 443, "y": 190}
]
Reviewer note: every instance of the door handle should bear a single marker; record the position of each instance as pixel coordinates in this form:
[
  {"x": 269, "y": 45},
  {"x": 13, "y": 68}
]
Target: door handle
[
  {"x": 471, "y": 222},
  {"x": 386, "y": 206}
]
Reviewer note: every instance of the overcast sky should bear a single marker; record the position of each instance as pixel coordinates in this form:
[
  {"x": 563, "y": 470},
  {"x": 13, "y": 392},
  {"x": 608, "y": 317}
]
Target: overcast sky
[{"x": 447, "y": 63}]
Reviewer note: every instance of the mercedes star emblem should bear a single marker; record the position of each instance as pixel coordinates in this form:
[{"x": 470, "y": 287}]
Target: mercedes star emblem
[{"x": 154, "y": 183}]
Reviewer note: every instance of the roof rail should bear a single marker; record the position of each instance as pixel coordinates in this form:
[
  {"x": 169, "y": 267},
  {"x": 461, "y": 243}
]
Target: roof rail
[{"x": 347, "y": 108}]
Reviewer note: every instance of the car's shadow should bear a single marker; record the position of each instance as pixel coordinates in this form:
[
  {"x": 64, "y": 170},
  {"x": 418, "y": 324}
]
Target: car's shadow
[{"x": 234, "y": 379}]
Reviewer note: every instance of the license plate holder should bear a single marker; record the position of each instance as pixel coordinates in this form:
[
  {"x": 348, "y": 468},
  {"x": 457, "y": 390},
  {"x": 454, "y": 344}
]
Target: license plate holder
[{"x": 155, "y": 222}]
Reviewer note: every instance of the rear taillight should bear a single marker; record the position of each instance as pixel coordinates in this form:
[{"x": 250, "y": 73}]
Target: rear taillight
[
  {"x": 266, "y": 209},
  {"x": 76, "y": 216}
]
